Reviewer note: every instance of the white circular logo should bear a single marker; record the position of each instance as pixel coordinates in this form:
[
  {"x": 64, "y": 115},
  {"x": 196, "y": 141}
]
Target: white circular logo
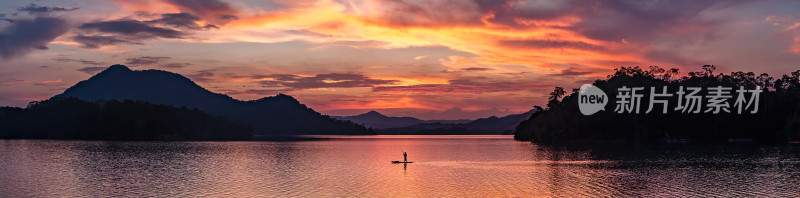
[{"x": 591, "y": 99}]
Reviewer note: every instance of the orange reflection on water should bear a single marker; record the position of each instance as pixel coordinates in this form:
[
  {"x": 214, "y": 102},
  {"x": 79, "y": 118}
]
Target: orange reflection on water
[{"x": 444, "y": 166}]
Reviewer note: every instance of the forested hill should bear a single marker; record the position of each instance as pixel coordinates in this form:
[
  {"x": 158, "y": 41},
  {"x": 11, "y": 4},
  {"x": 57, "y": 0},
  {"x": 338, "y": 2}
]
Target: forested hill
[
  {"x": 71, "y": 118},
  {"x": 777, "y": 118},
  {"x": 275, "y": 115}
]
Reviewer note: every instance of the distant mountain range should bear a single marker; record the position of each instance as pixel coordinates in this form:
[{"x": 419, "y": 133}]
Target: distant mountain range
[
  {"x": 376, "y": 120},
  {"x": 276, "y": 115},
  {"x": 386, "y": 125}
]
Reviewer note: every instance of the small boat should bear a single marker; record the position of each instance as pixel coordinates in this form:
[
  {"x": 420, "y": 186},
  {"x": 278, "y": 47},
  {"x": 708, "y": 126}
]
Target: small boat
[{"x": 401, "y": 162}]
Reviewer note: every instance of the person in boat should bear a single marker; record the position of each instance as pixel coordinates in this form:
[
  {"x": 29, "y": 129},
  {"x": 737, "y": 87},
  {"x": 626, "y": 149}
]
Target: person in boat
[{"x": 405, "y": 157}]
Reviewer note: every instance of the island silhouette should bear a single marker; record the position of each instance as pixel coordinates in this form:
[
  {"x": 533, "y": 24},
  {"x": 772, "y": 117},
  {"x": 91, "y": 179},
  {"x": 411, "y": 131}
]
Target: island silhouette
[
  {"x": 776, "y": 121},
  {"x": 72, "y": 118}
]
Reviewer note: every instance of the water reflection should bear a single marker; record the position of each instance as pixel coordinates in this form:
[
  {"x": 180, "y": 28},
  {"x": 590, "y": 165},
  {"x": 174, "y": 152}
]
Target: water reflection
[{"x": 492, "y": 166}]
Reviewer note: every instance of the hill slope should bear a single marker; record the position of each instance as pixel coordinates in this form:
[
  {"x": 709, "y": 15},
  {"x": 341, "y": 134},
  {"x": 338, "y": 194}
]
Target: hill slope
[
  {"x": 376, "y": 120},
  {"x": 484, "y": 126},
  {"x": 276, "y": 115},
  {"x": 71, "y": 118}
]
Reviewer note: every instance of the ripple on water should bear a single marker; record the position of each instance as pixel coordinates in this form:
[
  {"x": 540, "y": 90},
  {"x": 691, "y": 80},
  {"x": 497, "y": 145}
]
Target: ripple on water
[{"x": 444, "y": 167}]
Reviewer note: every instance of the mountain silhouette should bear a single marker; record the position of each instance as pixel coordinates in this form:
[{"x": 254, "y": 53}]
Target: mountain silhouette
[
  {"x": 386, "y": 125},
  {"x": 505, "y": 124},
  {"x": 276, "y": 115},
  {"x": 376, "y": 120}
]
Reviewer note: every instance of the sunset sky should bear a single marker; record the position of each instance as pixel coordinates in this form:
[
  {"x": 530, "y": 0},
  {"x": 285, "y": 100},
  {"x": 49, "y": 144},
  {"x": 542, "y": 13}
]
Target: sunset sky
[{"x": 429, "y": 59}]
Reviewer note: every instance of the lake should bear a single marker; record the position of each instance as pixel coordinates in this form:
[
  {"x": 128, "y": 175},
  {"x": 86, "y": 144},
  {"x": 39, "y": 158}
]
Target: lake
[{"x": 444, "y": 166}]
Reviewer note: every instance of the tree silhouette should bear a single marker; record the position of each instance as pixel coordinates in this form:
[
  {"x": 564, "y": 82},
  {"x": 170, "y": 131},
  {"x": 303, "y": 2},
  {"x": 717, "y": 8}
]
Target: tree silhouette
[
  {"x": 555, "y": 96},
  {"x": 70, "y": 118},
  {"x": 778, "y": 119}
]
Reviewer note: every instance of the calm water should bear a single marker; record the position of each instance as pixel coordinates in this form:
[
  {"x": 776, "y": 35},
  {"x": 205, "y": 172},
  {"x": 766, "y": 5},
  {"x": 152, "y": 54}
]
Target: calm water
[{"x": 472, "y": 166}]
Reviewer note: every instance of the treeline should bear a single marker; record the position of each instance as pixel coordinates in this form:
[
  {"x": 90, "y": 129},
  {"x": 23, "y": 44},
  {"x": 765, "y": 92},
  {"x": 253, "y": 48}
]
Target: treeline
[
  {"x": 777, "y": 119},
  {"x": 70, "y": 118}
]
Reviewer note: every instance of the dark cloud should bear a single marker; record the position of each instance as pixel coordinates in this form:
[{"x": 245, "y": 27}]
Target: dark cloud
[
  {"x": 202, "y": 76},
  {"x": 608, "y": 20},
  {"x": 146, "y": 60},
  {"x": 638, "y": 21},
  {"x": 34, "y": 9},
  {"x": 477, "y": 69},
  {"x": 181, "y": 20},
  {"x": 277, "y": 77},
  {"x": 228, "y": 17},
  {"x": 411, "y": 13},
  {"x": 175, "y": 65},
  {"x": 92, "y": 70},
  {"x": 155, "y": 61},
  {"x": 13, "y": 80},
  {"x": 24, "y": 35},
  {"x": 132, "y": 28},
  {"x": 611, "y": 20},
  {"x": 213, "y": 11},
  {"x": 572, "y": 71},
  {"x": 130, "y": 31},
  {"x": 665, "y": 56},
  {"x": 463, "y": 86},
  {"x": 95, "y": 41},
  {"x": 124, "y": 31},
  {"x": 508, "y": 12},
  {"x": 408, "y": 13},
  {"x": 323, "y": 81},
  {"x": 87, "y": 62}
]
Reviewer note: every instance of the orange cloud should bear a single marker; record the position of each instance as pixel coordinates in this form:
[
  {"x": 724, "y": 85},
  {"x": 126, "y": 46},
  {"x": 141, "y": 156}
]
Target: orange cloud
[
  {"x": 154, "y": 6},
  {"x": 52, "y": 81},
  {"x": 516, "y": 49}
]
